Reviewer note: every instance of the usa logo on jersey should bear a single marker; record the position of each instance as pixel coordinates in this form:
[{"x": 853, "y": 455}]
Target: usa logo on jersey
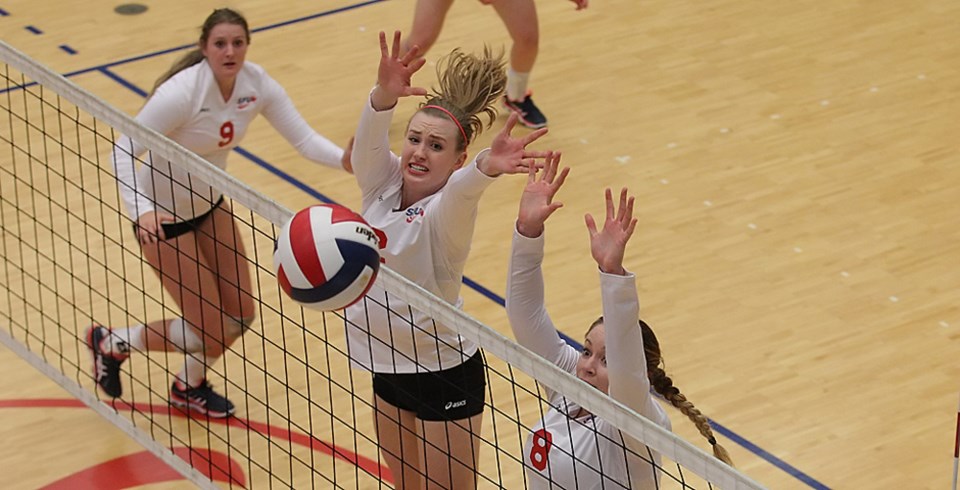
[
  {"x": 413, "y": 213},
  {"x": 243, "y": 102}
]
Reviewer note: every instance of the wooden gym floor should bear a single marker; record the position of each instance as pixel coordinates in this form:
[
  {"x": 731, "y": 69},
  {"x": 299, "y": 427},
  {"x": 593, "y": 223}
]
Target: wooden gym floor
[{"x": 796, "y": 179}]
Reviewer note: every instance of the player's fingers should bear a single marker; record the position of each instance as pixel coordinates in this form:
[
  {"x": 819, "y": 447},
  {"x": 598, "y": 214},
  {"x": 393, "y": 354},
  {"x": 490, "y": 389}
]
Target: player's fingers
[
  {"x": 632, "y": 226},
  {"x": 608, "y": 197},
  {"x": 396, "y": 45},
  {"x": 622, "y": 205},
  {"x": 383, "y": 45},
  {"x": 562, "y": 178},
  {"x": 416, "y": 64},
  {"x": 552, "y": 162},
  {"x": 416, "y": 91},
  {"x": 534, "y": 136},
  {"x": 628, "y": 215},
  {"x": 536, "y": 154},
  {"x": 511, "y": 122},
  {"x": 591, "y": 224}
]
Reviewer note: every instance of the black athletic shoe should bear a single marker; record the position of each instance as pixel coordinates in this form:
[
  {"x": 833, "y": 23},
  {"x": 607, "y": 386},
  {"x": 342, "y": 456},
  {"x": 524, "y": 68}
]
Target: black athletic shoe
[
  {"x": 201, "y": 399},
  {"x": 106, "y": 366},
  {"x": 530, "y": 115}
]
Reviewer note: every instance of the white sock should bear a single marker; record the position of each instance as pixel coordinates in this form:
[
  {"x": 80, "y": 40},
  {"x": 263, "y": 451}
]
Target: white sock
[
  {"x": 194, "y": 370},
  {"x": 122, "y": 340},
  {"x": 517, "y": 84}
]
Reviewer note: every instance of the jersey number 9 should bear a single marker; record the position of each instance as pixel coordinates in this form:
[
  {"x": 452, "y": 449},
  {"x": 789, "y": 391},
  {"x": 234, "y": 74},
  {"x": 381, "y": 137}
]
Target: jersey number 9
[{"x": 226, "y": 134}]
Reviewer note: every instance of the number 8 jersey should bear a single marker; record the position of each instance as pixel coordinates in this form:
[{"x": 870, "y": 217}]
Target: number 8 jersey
[
  {"x": 189, "y": 109},
  {"x": 587, "y": 452}
]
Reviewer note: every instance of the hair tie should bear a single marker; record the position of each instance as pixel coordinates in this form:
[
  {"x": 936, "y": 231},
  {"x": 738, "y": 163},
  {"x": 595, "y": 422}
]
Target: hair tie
[
  {"x": 455, "y": 121},
  {"x": 712, "y": 440}
]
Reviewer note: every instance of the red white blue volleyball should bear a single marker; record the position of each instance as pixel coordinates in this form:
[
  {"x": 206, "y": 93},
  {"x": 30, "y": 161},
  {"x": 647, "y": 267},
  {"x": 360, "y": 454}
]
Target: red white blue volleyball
[{"x": 326, "y": 257}]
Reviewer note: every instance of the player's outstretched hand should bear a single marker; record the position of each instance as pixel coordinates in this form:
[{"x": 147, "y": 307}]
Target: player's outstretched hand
[
  {"x": 536, "y": 203},
  {"x": 509, "y": 155},
  {"x": 395, "y": 73},
  {"x": 609, "y": 243}
]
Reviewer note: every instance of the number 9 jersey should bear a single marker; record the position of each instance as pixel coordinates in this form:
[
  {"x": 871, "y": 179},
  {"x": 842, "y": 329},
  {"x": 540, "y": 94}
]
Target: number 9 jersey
[{"x": 190, "y": 109}]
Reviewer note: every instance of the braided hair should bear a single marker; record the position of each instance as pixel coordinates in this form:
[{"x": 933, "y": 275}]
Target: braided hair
[{"x": 663, "y": 385}]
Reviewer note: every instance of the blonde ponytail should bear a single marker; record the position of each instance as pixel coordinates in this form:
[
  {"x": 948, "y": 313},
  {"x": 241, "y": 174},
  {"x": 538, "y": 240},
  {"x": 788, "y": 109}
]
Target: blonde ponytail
[{"x": 468, "y": 86}]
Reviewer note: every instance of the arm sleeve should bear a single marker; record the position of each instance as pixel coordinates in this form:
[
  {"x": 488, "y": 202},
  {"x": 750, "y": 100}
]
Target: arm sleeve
[
  {"x": 528, "y": 316},
  {"x": 456, "y": 210},
  {"x": 284, "y": 117},
  {"x": 626, "y": 362},
  {"x": 165, "y": 111},
  {"x": 373, "y": 163}
]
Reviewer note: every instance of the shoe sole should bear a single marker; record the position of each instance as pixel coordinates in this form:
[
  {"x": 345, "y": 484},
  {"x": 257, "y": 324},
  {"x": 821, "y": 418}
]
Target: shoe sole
[{"x": 187, "y": 405}]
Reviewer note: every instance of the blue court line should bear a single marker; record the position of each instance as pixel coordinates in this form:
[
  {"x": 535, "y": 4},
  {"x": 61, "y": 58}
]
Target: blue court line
[
  {"x": 257, "y": 29},
  {"x": 770, "y": 458},
  {"x": 492, "y": 296},
  {"x": 285, "y": 176},
  {"x": 775, "y": 461},
  {"x": 68, "y": 49},
  {"x": 33, "y": 29},
  {"x": 101, "y": 68},
  {"x": 122, "y": 81},
  {"x": 3, "y": 13}
]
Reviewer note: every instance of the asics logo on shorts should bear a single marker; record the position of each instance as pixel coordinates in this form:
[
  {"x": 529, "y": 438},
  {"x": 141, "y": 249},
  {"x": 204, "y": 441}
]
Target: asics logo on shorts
[{"x": 458, "y": 404}]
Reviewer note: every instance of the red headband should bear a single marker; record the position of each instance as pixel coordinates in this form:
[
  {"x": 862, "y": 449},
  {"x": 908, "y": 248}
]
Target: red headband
[{"x": 455, "y": 121}]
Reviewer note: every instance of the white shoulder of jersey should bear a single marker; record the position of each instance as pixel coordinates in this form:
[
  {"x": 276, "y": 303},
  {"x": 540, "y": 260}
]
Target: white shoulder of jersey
[
  {"x": 254, "y": 75},
  {"x": 253, "y": 68},
  {"x": 187, "y": 81}
]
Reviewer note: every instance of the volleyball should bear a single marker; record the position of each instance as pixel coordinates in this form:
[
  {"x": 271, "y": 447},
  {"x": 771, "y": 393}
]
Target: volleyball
[{"x": 326, "y": 257}]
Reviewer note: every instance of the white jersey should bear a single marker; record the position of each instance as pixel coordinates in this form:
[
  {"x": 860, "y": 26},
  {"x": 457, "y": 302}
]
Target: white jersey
[
  {"x": 427, "y": 242},
  {"x": 189, "y": 109},
  {"x": 589, "y": 452}
]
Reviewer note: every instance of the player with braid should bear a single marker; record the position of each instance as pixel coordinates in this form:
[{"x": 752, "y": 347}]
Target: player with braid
[
  {"x": 569, "y": 447},
  {"x": 428, "y": 381},
  {"x": 187, "y": 232}
]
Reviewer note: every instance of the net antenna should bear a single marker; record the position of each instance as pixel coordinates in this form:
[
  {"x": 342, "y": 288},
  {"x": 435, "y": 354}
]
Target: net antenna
[{"x": 956, "y": 449}]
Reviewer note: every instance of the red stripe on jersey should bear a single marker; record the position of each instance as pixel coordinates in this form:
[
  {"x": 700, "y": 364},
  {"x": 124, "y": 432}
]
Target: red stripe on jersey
[{"x": 305, "y": 250}]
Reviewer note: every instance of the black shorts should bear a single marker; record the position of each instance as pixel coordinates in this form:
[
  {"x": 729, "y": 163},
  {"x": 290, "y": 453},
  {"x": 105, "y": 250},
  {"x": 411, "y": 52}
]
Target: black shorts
[
  {"x": 451, "y": 394},
  {"x": 173, "y": 230}
]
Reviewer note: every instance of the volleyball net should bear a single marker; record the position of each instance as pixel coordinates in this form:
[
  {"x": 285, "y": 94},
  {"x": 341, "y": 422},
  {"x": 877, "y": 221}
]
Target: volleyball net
[{"x": 304, "y": 416}]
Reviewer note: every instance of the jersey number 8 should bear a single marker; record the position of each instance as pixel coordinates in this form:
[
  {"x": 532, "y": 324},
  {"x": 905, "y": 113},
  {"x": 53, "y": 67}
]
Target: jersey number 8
[{"x": 542, "y": 442}]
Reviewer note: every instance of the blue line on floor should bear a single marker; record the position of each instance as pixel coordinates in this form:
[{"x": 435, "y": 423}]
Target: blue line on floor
[{"x": 187, "y": 46}]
